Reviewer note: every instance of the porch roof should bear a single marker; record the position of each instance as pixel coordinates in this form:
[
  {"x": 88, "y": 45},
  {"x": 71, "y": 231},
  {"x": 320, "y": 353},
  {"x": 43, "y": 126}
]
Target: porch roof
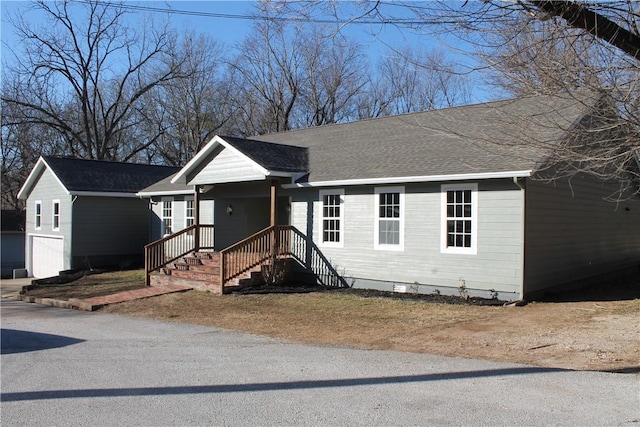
[
  {"x": 258, "y": 159},
  {"x": 164, "y": 187}
]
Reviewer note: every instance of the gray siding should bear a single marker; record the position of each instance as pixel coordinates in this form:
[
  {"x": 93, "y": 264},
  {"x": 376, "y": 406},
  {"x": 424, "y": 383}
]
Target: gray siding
[
  {"x": 179, "y": 214},
  {"x": 109, "y": 230},
  {"x": 47, "y": 189},
  {"x": 12, "y": 251},
  {"x": 572, "y": 233},
  {"x": 496, "y": 266},
  {"x": 227, "y": 166}
]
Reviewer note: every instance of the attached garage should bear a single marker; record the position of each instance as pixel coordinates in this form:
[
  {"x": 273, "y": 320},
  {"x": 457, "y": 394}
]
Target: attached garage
[
  {"x": 84, "y": 214},
  {"x": 47, "y": 256}
]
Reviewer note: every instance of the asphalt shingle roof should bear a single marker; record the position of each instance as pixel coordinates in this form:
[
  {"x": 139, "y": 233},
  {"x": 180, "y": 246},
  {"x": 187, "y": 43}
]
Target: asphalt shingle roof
[
  {"x": 275, "y": 157},
  {"x": 500, "y": 136},
  {"x": 103, "y": 176}
]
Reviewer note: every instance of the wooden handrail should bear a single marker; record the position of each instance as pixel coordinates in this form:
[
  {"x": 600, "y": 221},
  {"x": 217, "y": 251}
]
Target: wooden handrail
[
  {"x": 256, "y": 249},
  {"x": 163, "y": 251}
]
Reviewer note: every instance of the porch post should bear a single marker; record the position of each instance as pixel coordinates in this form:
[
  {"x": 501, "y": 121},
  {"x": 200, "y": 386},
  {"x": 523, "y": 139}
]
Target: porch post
[
  {"x": 196, "y": 207},
  {"x": 196, "y": 218},
  {"x": 274, "y": 202},
  {"x": 274, "y": 220}
]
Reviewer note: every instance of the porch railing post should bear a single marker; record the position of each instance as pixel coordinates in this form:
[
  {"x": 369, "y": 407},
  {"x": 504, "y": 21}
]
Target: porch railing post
[{"x": 196, "y": 218}]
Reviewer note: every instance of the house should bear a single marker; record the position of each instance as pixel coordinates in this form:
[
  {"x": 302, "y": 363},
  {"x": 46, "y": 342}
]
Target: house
[
  {"x": 450, "y": 201},
  {"x": 12, "y": 224},
  {"x": 84, "y": 214}
]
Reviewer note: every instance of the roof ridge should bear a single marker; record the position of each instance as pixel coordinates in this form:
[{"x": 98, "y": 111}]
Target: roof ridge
[
  {"x": 105, "y": 161},
  {"x": 435, "y": 110}
]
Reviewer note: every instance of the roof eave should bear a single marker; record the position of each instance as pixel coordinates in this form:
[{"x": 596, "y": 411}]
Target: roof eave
[
  {"x": 411, "y": 179},
  {"x": 145, "y": 194},
  {"x": 103, "y": 194}
]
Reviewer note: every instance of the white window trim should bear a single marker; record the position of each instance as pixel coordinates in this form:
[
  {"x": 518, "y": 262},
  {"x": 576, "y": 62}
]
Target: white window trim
[
  {"x": 162, "y": 217},
  {"x": 35, "y": 215},
  {"x": 340, "y": 243},
  {"x": 53, "y": 215},
  {"x": 376, "y": 225},
  {"x": 187, "y": 199},
  {"x": 473, "y": 250}
]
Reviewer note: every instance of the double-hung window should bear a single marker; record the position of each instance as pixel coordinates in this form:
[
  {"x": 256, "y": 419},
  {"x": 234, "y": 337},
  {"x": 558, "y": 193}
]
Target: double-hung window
[
  {"x": 459, "y": 217},
  {"x": 167, "y": 216},
  {"x": 38, "y": 215},
  {"x": 389, "y": 219},
  {"x": 332, "y": 218},
  {"x": 189, "y": 214},
  {"x": 55, "y": 215}
]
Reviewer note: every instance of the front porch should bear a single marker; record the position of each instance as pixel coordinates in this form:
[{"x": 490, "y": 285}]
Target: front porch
[
  {"x": 242, "y": 178},
  {"x": 188, "y": 258}
]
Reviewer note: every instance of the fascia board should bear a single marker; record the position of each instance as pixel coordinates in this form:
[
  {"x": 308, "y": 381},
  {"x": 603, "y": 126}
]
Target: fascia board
[
  {"x": 31, "y": 179},
  {"x": 410, "y": 179},
  {"x": 284, "y": 174},
  {"x": 103, "y": 194},
  {"x": 145, "y": 194}
]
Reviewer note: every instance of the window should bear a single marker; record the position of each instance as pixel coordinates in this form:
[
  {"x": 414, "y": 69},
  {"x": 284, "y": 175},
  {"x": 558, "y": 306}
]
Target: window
[
  {"x": 167, "y": 216},
  {"x": 55, "y": 218},
  {"x": 389, "y": 220},
  {"x": 38, "y": 215},
  {"x": 189, "y": 215},
  {"x": 332, "y": 217},
  {"x": 460, "y": 218}
]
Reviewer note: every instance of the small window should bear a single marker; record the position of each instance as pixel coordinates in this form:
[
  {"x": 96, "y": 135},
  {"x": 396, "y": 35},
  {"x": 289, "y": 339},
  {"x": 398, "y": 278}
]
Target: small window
[
  {"x": 332, "y": 218},
  {"x": 389, "y": 221},
  {"x": 38, "y": 215},
  {"x": 167, "y": 216},
  {"x": 55, "y": 218},
  {"x": 460, "y": 206},
  {"x": 189, "y": 215}
]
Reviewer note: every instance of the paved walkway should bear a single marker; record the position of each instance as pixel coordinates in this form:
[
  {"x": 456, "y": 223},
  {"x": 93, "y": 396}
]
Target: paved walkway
[
  {"x": 11, "y": 289},
  {"x": 91, "y": 304}
]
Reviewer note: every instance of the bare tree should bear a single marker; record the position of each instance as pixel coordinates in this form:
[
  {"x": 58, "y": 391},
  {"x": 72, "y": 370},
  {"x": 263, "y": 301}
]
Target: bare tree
[
  {"x": 184, "y": 114},
  {"x": 420, "y": 81},
  {"x": 533, "y": 57},
  {"x": 336, "y": 72},
  {"x": 267, "y": 79},
  {"x": 87, "y": 73},
  {"x": 21, "y": 143},
  {"x": 539, "y": 47}
]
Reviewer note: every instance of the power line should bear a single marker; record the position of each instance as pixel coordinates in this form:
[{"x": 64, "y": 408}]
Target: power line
[{"x": 137, "y": 8}]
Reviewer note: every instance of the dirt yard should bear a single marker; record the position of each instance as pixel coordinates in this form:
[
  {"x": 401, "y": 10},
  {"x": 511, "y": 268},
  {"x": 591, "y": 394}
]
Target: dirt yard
[
  {"x": 593, "y": 329},
  {"x": 594, "y": 334}
]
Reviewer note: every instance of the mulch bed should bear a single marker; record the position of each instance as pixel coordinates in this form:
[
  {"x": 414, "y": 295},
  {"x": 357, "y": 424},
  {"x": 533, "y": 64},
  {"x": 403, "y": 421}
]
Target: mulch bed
[{"x": 367, "y": 293}]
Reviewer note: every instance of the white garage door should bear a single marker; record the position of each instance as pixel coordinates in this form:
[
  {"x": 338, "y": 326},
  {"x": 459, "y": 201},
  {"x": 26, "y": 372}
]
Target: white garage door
[{"x": 46, "y": 256}]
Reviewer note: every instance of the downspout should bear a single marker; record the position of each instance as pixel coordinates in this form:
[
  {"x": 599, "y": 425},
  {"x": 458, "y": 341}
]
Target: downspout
[
  {"x": 523, "y": 201},
  {"x": 73, "y": 200}
]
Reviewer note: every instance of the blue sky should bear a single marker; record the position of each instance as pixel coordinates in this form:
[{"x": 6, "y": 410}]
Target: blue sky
[{"x": 230, "y": 31}]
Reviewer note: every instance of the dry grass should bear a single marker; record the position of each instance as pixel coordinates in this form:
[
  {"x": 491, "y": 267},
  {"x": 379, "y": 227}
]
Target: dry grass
[
  {"x": 93, "y": 285},
  {"x": 594, "y": 334}
]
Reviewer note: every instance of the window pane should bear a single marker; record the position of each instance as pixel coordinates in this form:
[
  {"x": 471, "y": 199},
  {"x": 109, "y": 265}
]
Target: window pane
[{"x": 331, "y": 218}]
